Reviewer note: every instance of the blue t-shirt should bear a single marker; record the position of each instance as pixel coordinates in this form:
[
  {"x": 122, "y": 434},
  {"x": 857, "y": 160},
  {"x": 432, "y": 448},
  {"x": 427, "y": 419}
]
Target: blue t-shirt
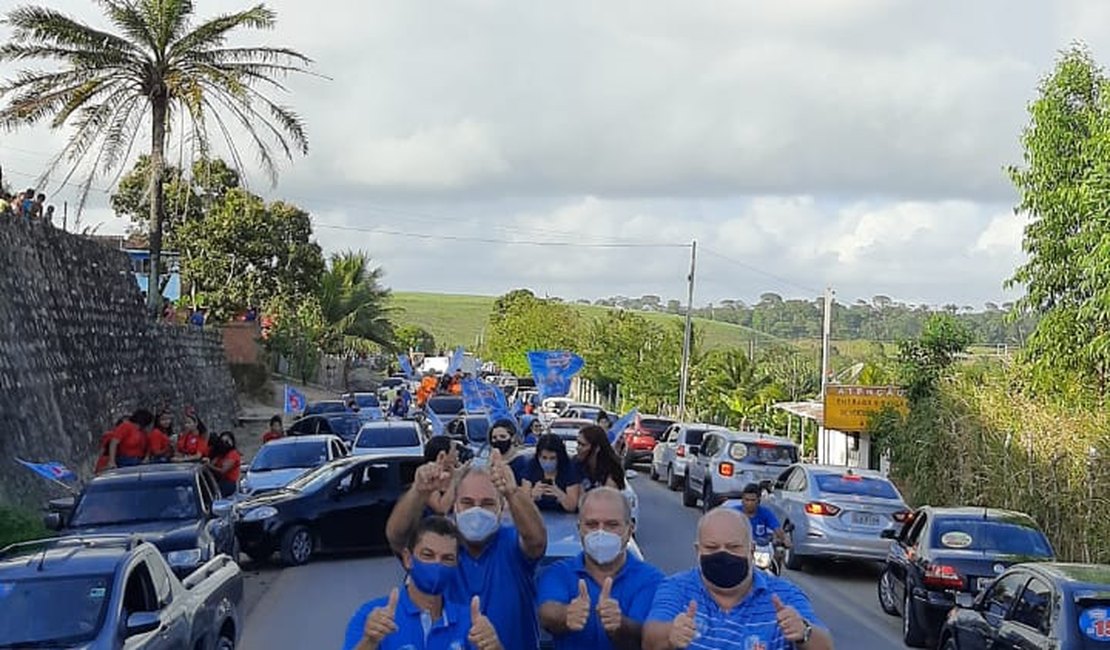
[
  {"x": 565, "y": 478},
  {"x": 505, "y": 580},
  {"x": 448, "y": 633},
  {"x": 764, "y": 523},
  {"x": 751, "y": 624},
  {"x": 633, "y": 587}
]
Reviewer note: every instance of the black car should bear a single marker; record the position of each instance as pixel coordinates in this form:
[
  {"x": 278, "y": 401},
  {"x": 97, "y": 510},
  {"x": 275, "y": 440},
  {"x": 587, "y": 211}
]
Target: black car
[
  {"x": 942, "y": 552},
  {"x": 340, "y": 506},
  {"x": 345, "y": 425},
  {"x": 1043, "y": 605},
  {"x": 326, "y": 406},
  {"x": 445, "y": 406},
  {"x": 175, "y": 506}
]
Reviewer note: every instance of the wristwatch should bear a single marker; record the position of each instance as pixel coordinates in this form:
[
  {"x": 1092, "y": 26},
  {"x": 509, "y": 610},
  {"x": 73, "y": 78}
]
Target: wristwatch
[{"x": 807, "y": 631}]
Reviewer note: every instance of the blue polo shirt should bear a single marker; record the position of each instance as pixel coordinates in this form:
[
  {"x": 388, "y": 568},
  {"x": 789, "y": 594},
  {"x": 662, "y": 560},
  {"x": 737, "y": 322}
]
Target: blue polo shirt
[
  {"x": 764, "y": 523},
  {"x": 751, "y": 624},
  {"x": 505, "y": 580},
  {"x": 448, "y": 633},
  {"x": 633, "y": 587}
]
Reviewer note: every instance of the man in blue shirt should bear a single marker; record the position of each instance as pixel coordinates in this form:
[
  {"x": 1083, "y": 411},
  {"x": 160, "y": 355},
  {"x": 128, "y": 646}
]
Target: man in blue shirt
[
  {"x": 725, "y": 604},
  {"x": 765, "y": 525},
  {"x": 496, "y": 563},
  {"x": 600, "y": 598},
  {"x": 419, "y": 616}
]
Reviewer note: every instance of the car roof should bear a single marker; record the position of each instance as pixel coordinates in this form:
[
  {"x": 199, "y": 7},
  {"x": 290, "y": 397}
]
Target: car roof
[
  {"x": 841, "y": 470},
  {"x": 571, "y": 422},
  {"x": 390, "y": 424},
  {"x": 327, "y": 401},
  {"x": 1064, "y": 572},
  {"x": 970, "y": 512},
  {"x": 361, "y": 458},
  {"x": 754, "y": 436},
  {"x": 152, "y": 472},
  {"x": 301, "y": 440},
  {"x": 61, "y": 556}
]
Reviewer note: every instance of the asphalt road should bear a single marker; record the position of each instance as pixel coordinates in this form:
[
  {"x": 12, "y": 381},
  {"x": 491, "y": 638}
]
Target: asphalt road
[{"x": 308, "y": 607}]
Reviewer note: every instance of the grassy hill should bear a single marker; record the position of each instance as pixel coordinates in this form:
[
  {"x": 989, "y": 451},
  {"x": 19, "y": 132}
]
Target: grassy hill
[{"x": 460, "y": 320}]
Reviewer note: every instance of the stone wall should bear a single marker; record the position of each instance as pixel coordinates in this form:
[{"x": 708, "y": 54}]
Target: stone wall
[{"x": 77, "y": 352}]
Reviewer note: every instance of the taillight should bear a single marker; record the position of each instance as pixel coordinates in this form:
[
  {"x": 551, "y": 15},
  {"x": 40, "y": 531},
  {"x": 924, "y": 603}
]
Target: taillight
[
  {"x": 680, "y": 452},
  {"x": 822, "y": 509},
  {"x": 725, "y": 469},
  {"x": 902, "y": 516},
  {"x": 942, "y": 576}
]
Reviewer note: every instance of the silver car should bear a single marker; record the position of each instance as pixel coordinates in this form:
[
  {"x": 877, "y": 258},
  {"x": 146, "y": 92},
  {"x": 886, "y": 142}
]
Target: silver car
[
  {"x": 676, "y": 447},
  {"x": 729, "y": 460},
  {"x": 280, "y": 461},
  {"x": 836, "y": 512},
  {"x": 397, "y": 437}
]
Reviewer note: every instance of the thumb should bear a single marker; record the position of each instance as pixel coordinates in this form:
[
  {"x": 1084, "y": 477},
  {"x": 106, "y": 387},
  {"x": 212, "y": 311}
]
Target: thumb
[
  {"x": 692, "y": 609},
  {"x": 475, "y": 609},
  {"x": 777, "y": 602},
  {"x": 440, "y": 457},
  {"x": 495, "y": 457},
  {"x": 391, "y": 604},
  {"x": 582, "y": 591},
  {"x": 606, "y": 589}
]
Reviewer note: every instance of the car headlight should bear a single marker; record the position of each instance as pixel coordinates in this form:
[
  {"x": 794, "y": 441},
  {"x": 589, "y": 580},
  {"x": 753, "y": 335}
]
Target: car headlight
[
  {"x": 762, "y": 559},
  {"x": 187, "y": 558},
  {"x": 260, "y": 513}
]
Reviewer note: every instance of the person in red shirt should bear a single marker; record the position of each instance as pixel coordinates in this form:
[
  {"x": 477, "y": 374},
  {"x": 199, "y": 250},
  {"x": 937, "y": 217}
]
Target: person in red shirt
[
  {"x": 127, "y": 444},
  {"x": 226, "y": 463},
  {"x": 191, "y": 443},
  {"x": 159, "y": 446},
  {"x": 275, "y": 431},
  {"x": 105, "y": 440}
]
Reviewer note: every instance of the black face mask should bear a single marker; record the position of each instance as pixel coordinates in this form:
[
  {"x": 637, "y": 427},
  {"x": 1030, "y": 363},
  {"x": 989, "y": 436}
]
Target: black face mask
[
  {"x": 724, "y": 569},
  {"x": 502, "y": 446}
]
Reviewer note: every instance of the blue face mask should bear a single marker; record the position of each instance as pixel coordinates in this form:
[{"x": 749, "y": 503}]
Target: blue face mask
[
  {"x": 549, "y": 466},
  {"x": 476, "y": 524},
  {"x": 602, "y": 546},
  {"x": 431, "y": 578}
]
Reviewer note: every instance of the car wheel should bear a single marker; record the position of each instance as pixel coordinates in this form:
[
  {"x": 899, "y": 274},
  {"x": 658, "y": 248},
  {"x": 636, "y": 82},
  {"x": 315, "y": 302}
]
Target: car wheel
[
  {"x": 672, "y": 480},
  {"x": 654, "y": 474},
  {"x": 296, "y": 546},
  {"x": 689, "y": 499},
  {"x": 707, "y": 497},
  {"x": 886, "y": 593},
  {"x": 793, "y": 561},
  {"x": 912, "y": 634},
  {"x": 626, "y": 461}
]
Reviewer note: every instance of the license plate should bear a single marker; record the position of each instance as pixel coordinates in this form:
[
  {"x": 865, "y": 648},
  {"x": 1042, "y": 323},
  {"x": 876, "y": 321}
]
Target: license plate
[{"x": 865, "y": 519}]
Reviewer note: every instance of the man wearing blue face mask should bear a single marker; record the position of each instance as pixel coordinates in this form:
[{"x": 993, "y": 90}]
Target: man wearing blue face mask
[
  {"x": 600, "y": 598},
  {"x": 496, "y": 563},
  {"x": 419, "y": 616}
]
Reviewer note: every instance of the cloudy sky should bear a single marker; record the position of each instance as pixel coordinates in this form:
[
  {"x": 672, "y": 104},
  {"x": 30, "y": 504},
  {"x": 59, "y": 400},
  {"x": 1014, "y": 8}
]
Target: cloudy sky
[{"x": 854, "y": 143}]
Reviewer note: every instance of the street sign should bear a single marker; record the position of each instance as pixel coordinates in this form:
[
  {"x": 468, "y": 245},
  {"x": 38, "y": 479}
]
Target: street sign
[{"x": 847, "y": 408}]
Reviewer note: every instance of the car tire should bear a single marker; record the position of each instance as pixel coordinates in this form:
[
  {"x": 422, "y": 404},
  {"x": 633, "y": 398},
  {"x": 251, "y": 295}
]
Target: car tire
[
  {"x": 708, "y": 499},
  {"x": 886, "y": 593},
  {"x": 793, "y": 561},
  {"x": 626, "y": 461},
  {"x": 912, "y": 634},
  {"x": 689, "y": 499},
  {"x": 654, "y": 474},
  {"x": 296, "y": 546},
  {"x": 672, "y": 481}
]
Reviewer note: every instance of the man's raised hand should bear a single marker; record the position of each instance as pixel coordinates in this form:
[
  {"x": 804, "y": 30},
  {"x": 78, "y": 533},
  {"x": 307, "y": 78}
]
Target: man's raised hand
[
  {"x": 578, "y": 610},
  {"x": 381, "y": 622}
]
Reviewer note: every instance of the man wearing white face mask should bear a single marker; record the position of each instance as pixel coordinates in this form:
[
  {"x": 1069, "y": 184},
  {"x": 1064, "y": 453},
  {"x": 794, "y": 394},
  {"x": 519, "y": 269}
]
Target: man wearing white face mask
[
  {"x": 496, "y": 563},
  {"x": 600, "y": 598}
]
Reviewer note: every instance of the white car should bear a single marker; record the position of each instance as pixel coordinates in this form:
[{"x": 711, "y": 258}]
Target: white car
[
  {"x": 280, "y": 461},
  {"x": 395, "y": 437}
]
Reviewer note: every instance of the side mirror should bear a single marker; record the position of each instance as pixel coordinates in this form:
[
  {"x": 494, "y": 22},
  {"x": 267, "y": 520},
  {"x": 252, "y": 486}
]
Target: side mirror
[
  {"x": 142, "y": 622},
  {"x": 767, "y": 485},
  {"x": 222, "y": 507},
  {"x": 64, "y": 504},
  {"x": 52, "y": 521},
  {"x": 889, "y": 533}
]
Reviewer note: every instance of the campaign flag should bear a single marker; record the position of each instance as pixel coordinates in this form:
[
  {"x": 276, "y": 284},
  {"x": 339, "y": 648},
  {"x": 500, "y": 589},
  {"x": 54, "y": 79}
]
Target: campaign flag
[
  {"x": 553, "y": 370},
  {"x": 437, "y": 424},
  {"x": 620, "y": 425},
  {"x": 518, "y": 407},
  {"x": 406, "y": 366},
  {"x": 456, "y": 362},
  {"x": 51, "y": 471},
  {"x": 473, "y": 401},
  {"x": 295, "y": 400}
]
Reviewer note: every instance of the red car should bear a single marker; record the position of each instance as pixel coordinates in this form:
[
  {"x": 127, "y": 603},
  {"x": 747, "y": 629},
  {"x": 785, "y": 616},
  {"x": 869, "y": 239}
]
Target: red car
[{"x": 638, "y": 442}]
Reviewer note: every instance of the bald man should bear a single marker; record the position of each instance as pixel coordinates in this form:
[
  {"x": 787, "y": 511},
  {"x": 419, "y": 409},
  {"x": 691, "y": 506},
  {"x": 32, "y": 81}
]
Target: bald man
[{"x": 724, "y": 603}]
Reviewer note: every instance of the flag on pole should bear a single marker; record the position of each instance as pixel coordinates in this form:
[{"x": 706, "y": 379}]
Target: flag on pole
[
  {"x": 51, "y": 471},
  {"x": 620, "y": 425},
  {"x": 406, "y": 366},
  {"x": 553, "y": 370},
  {"x": 294, "y": 400},
  {"x": 456, "y": 362},
  {"x": 437, "y": 424}
]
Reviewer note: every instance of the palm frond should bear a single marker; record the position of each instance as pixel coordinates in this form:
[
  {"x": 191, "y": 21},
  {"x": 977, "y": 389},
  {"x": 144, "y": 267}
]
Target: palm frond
[
  {"x": 213, "y": 32},
  {"x": 47, "y": 26}
]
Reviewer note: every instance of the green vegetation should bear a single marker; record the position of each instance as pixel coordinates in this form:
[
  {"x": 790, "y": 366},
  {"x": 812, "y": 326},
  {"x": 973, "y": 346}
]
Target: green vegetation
[{"x": 19, "y": 526}]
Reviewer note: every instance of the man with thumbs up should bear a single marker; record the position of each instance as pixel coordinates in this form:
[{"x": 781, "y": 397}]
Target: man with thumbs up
[
  {"x": 724, "y": 603},
  {"x": 600, "y": 598},
  {"x": 420, "y": 615}
]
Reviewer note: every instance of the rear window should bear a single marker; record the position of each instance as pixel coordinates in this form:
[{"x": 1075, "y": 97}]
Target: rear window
[
  {"x": 655, "y": 426},
  {"x": 346, "y": 426},
  {"x": 862, "y": 485},
  {"x": 694, "y": 436},
  {"x": 318, "y": 408},
  {"x": 991, "y": 536},
  {"x": 383, "y": 438},
  {"x": 446, "y": 406},
  {"x": 764, "y": 454}
]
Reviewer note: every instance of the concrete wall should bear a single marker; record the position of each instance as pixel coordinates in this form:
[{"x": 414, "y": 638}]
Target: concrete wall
[{"x": 77, "y": 352}]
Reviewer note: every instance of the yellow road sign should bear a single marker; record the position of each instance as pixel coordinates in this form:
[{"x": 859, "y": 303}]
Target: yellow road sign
[{"x": 847, "y": 408}]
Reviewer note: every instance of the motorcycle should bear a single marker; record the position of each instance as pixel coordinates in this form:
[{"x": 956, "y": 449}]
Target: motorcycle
[{"x": 768, "y": 555}]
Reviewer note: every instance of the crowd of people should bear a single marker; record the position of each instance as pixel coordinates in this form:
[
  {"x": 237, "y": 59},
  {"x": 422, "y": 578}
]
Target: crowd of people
[
  {"x": 25, "y": 207},
  {"x": 144, "y": 437}
]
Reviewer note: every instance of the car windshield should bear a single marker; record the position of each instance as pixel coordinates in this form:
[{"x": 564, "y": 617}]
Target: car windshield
[
  {"x": 135, "y": 502},
  {"x": 367, "y": 401},
  {"x": 870, "y": 486},
  {"x": 379, "y": 437},
  {"x": 53, "y": 611},
  {"x": 346, "y": 426},
  {"x": 755, "y": 453},
  {"x": 317, "y": 408},
  {"x": 655, "y": 426},
  {"x": 991, "y": 536},
  {"x": 290, "y": 455},
  {"x": 314, "y": 480}
]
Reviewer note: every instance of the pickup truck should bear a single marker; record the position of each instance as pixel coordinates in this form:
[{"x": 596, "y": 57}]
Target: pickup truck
[
  {"x": 113, "y": 592},
  {"x": 175, "y": 506}
]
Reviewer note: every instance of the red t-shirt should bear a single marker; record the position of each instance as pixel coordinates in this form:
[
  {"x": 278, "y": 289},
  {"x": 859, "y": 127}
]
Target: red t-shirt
[
  {"x": 231, "y": 475},
  {"x": 191, "y": 444},
  {"x": 158, "y": 443},
  {"x": 132, "y": 440},
  {"x": 105, "y": 441},
  {"x": 270, "y": 435}
]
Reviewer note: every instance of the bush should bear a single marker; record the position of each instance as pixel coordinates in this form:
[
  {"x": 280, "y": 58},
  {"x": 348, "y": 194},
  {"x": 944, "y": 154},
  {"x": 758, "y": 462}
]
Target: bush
[
  {"x": 19, "y": 526},
  {"x": 252, "y": 380}
]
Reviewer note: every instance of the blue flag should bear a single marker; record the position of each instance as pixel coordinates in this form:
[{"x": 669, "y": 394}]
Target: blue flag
[
  {"x": 480, "y": 396},
  {"x": 294, "y": 400},
  {"x": 406, "y": 366},
  {"x": 437, "y": 424},
  {"x": 620, "y": 425},
  {"x": 456, "y": 362},
  {"x": 51, "y": 471},
  {"x": 553, "y": 370},
  {"x": 518, "y": 408}
]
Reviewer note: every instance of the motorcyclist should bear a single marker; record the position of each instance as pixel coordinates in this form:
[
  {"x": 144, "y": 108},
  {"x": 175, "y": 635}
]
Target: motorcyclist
[{"x": 765, "y": 525}]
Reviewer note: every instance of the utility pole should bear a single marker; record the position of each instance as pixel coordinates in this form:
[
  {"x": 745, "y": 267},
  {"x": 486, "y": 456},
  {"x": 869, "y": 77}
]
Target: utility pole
[
  {"x": 687, "y": 339},
  {"x": 826, "y": 330}
]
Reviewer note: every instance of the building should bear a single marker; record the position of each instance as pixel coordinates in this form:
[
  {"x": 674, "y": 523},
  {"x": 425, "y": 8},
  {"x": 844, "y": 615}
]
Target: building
[{"x": 138, "y": 254}]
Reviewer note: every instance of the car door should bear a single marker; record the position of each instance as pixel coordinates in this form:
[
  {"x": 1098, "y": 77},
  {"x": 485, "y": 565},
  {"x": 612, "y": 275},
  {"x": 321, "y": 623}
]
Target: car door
[
  {"x": 353, "y": 508},
  {"x": 698, "y": 467},
  {"x": 980, "y": 632},
  {"x": 786, "y": 494},
  {"x": 903, "y": 554},
  {"x": 1028, "y": 625},
  {"x": 663, "y": 454},
  {"x": 147, "y": 592}
]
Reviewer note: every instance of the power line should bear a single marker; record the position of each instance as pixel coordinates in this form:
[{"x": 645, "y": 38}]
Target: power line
[
  {"x": 760, "y": 271},
  {"x": 491, "y": 240}
]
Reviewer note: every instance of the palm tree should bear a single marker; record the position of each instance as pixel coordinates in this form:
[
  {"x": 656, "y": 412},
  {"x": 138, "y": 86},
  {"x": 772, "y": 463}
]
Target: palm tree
[
  {"x": 353, "y": 302},
  {"x": 156, "y": 65}
]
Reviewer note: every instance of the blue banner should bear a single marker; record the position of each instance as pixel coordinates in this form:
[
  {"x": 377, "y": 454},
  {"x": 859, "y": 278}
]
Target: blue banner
[
  {"x": 51, "y": 471},
  {"x": 620, "y": 425},
  {"x": 295, "y": 400},
  {"x": 480, "y": 396},
  {"x": 553, "y": 370},
  {"x": 437, "y": 424},
  {"x": 406, "y": 366},
  {"x": 456, "y": 362}
]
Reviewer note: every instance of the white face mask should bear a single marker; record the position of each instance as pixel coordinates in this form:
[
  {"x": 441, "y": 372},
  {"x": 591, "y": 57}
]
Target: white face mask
[
  {"x": 476, "y": 524},
  {"x": 602, "y": 546}
]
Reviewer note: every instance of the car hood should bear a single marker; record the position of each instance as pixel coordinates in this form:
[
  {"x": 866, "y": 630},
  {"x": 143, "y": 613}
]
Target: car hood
[
  {"x": 173, "y": 535},
  {"x": 272, "y": 479},
  {"x": 274, "y": 499}
]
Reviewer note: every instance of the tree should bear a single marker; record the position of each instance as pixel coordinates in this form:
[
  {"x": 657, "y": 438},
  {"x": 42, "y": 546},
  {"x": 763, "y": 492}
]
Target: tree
[
  {"x": 416, "y": 338},
  {"x": 159, "y": 66},
  {"x": 520, "y": 322},
  {"x": 354, "y": 304},
  {"x": 188, "y": 196},
  {"x": 925, "y": 359}
]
